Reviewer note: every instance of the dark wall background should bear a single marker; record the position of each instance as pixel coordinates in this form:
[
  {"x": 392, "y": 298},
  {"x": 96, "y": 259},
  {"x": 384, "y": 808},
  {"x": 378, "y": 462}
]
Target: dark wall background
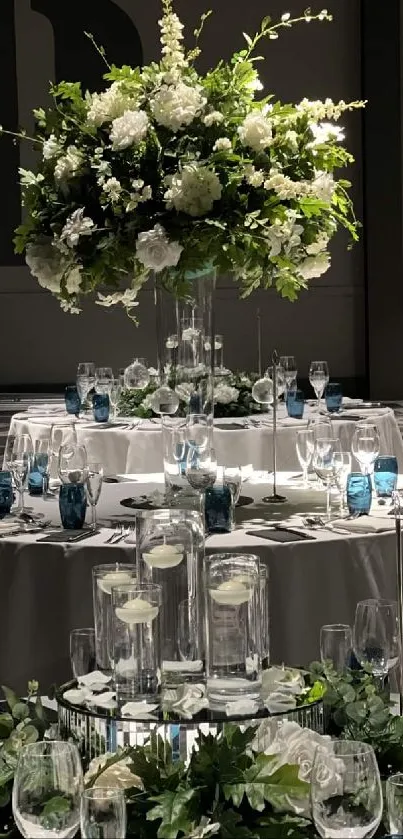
[{"x": 42, "y": 40}]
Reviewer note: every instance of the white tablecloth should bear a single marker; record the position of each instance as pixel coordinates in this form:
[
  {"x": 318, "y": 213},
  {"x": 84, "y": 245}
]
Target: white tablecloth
[
  {"x": 123, "y": 449},
  {"x": 46, "y": 587}
]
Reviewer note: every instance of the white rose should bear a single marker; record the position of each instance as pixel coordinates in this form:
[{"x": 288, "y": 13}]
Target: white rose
[
  {"x": 256, "y": 132},
  {"x": 129, "y": 129},
  {"x": 222, "y": 144},
  {"x": 108, "y": 105},
  {"x": 51, "y": 147},
  {"x": 314, "y": 266},
  {"x": 155, "y": 251},
  {"x": 213, "y": 118},
  {"x": 68, "y": 165}
]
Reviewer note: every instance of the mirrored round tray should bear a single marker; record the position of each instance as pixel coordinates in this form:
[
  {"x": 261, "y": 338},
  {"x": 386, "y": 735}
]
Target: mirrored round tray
[{"x": 98, "y": 730}]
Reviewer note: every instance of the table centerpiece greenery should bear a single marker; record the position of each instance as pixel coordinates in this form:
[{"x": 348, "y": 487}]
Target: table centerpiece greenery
[{"x": 167, "y": 170}]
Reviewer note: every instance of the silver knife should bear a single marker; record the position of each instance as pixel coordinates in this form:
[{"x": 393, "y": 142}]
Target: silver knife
[{"x": 81, "y": 536}]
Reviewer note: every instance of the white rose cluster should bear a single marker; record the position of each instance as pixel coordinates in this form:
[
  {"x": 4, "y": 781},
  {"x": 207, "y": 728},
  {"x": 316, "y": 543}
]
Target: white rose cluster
[
  {"x": 256, "y": 131},
  {"x": 129, "y": 130},
  {"x": 69, "y": 164},
  {"x": 108, "y": 105},
  {"x": 193, "y": 190},
  {"x": 175, "y": 106},
  {"x": 155, "y": 251},
  {"x": 224, "y": 394}
]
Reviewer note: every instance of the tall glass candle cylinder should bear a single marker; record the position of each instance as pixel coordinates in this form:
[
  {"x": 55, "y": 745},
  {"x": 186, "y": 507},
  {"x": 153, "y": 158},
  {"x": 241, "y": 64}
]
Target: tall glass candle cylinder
[
  {"x": 233, "y": 628},
  {"x": 136, "y": 641},
  {"x": 170, "y": 549},
  {"x": 104, "y": 577}
]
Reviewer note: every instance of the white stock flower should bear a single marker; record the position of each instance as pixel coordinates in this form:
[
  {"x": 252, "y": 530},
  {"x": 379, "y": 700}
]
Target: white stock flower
[
  {"x": 175, "y": 106},
  {"x": 154, "y": 250},
  {"x": 68, "y": 164},
  {"x": 325, "y": 132},
  {"x": 324, "y": 186},
  {"x": 213, "y": 118},
  {"x": 172, "y": 48},
  {"x": 106, "y": 106},
  {"x": 76, "y": 225},
  {"x": 254, "y": 177},
  {"x": 113, "y": 188},
  {"x": 127, "y": 298},
  {"x": 51, "y": 147},
  {"x": 129, "y": 129},
  {"x": 224, "y": 394},
  {"x": 194, "y": 190},
  {"x": 256, "y": 131},
  {"x": 285, "y": 187},
  {"x": 222, "y": 144},
  {"x": 314, "y": 266}
]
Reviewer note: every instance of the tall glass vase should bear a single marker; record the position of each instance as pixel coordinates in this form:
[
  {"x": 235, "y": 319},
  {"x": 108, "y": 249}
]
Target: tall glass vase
[{"x": 185, "y": 327}]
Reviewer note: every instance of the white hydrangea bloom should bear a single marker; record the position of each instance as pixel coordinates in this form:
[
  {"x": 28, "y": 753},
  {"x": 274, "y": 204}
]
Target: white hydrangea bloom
[
  {"x": 314, "y": 266},
  {"x": 323, "y": 186},
  {"x": 72, "y": 280},
  {"x": 106, "y": 106},
  {"x": 213, "y": 118},
  {"x": 225, "y": 394},
  {"x": 177, "y": 106},
  {"x": 155, "y": 251},
  {"x": 320, "y": 244},
  {"x": 256, "y": 131},
  {"x": 113, "y": 188},
  {"x": 76, "y": 225},
  {"x": 194, "y": 190},
  {"x": 285, "y": 235},
  {"x": 51, "y": 148},
  {"x": 254, "y": 177},
  {"x": 222, "y": 144},
  {"x": 68, "y": 164},
  {"x": 44, "y": 262},
  {"x": 129, "y": 129}
]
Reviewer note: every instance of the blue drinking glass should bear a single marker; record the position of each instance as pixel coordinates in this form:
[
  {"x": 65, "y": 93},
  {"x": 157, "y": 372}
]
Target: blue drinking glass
[
  {"x": 38, "y": 473},
  {"x": 218, "y": 509},
  {"x": 100, "y": 404},
  {"x": 6, "y": 493},
  {"x": 334, "y": 397},
  {"x": 295, "y": 402},
  {"x": 72, "y": 400},
  {"x": 385, "y": 475},
  {"x": 359, "y": 493},
  {"x": 72, "y": 505}
]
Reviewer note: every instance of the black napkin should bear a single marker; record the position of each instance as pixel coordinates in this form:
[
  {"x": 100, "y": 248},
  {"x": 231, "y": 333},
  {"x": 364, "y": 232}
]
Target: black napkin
[
  {"x": 72, "y": 536},
  {"x": 280, "y": 535}
]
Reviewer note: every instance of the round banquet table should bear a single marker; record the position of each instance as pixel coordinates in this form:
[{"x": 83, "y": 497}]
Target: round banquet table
[
  {"x": 125, "y": 449},
  {"x": 46, "y": 587}
]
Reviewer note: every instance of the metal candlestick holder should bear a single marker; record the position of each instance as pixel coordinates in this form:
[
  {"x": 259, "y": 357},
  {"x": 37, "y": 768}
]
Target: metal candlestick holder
[{"x": 275, "y": 498}]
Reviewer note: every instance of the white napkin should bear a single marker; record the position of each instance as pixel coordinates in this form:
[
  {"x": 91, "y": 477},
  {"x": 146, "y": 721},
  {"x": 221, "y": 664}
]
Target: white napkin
[
  {"x": 365, "y": 413},
  {"x": 351, "y": 403},
  {"x": 290, "y": 422},
  {"x": 366, "y": 524}
]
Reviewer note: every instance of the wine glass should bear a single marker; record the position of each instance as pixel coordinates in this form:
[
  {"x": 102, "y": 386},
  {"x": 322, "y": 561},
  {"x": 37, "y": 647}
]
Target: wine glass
[
  {"x": 62, "y": 434},
  {"x": 281, "y": 379},
  {"x": 376, "y": 635},
  {"x": 350, "y": 804},
  {"x": 114, "y": 396},
  {"x": 305, "y": 445},
  {"x": 20, "y": 463},
  {"x": 365, "y": 446},
  {"x": 201, "y": 468},
  {"x": 103, "y": 813},
  {"x": 394, "y": 802},
  {"x": 199, "y": 430},
  {"x": 82, "y": 651},
  {"x": 47, "y": 790},
  {"x": 103, "y": 379},
  {"x": 232, "y": 478},
  {"x": 342, "y": 463},
  {"x": 42, "y": 454},
  {"x": 324, "y": 467},
  {"x": 290, "y": 369},
  {"x": 85, "y": 379},
  {"x": 336, "y": 644},
  {"x": 319, "y": 377},
  {"x": 72, "y": 464},
  {"x": 93, "y": 486}
]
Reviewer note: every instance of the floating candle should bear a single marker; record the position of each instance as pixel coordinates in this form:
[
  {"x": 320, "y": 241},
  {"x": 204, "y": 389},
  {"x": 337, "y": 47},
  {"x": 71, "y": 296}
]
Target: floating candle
[
  {"x": 137, "y": 611},
  {"x": 231, "y": 593},
  {"x": 115, "y": 578},
  {"x": 164, "y": 556}
]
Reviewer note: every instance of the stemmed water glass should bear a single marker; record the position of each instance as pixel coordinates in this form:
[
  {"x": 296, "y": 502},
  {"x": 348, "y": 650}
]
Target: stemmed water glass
[
  {"x": 324, "y": 466},
  {"x": 114, "y": 396},
  {"x": 103, "y": 380},
  {"x": 305, "y": 445},
  {"x": 20, "y": 462},
  {"x": 350, "y": 804},
  {"x": 365, "y": 446},
  {"x": 42, "y": 455},
  {"x": 376, "y": 636},
  {"x": 48, "y": 773},
  {"x": 342, "y": 462},
  {"x": 93, "y": 486},
  {"x": 289, "y": 367},
  {"x": 103, "y": 813},
  {"x": 199, "y": 430},
  {"x": 85, "y": 379},
  {"x": 232, "y": 478},
  {"x": 72, "y": 464},
  {"x": 201, "y": 468},
  {"x": 319, "y": 377}
]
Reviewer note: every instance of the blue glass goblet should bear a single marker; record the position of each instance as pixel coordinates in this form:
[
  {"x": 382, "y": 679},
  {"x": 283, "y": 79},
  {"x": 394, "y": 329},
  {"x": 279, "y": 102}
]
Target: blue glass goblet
[
  {"x": 359, "y": 493},
  {"x": 219, "y": 510},
  {"x": 72, "y": 400},
  {"x": 100, "y": 404},
  {"x": 385, "y": 476},
  {"x": 334, "y": 397},
  {"x": 295, "y": 402},
  {"x": 72, "y": 505},
  {"x": 6, "y": 493}
]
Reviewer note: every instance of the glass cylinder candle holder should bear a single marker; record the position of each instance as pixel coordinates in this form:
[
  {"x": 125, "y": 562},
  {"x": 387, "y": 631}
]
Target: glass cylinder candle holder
[
  {"x": 359, "y": 493},
  {"x": 334, "y": 397},
  {"x": 264, "y": 614},
  {"x": 104, "y": 577},
  {"x": 233, "y": 628},
  {"x": 385, "y": 476},
  {"x": 136, "y": 640},
  {"x": 170, "y": 549},
  {"x": 6, "y": 493},
  {"x": 72, "y": 505},
  {"x": 100, "y": 404},
  {"x": 219, "y": 509}
]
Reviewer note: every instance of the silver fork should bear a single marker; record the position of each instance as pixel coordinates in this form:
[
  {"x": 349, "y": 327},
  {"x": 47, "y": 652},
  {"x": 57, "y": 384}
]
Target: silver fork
[
  {"x": 125, "y": 532},
  {"x": 115, "y": 535}
]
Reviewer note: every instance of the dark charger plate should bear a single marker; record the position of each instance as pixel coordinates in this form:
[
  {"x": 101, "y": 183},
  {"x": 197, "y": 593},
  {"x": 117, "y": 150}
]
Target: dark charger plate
[{"x": 141, "y": 502}]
